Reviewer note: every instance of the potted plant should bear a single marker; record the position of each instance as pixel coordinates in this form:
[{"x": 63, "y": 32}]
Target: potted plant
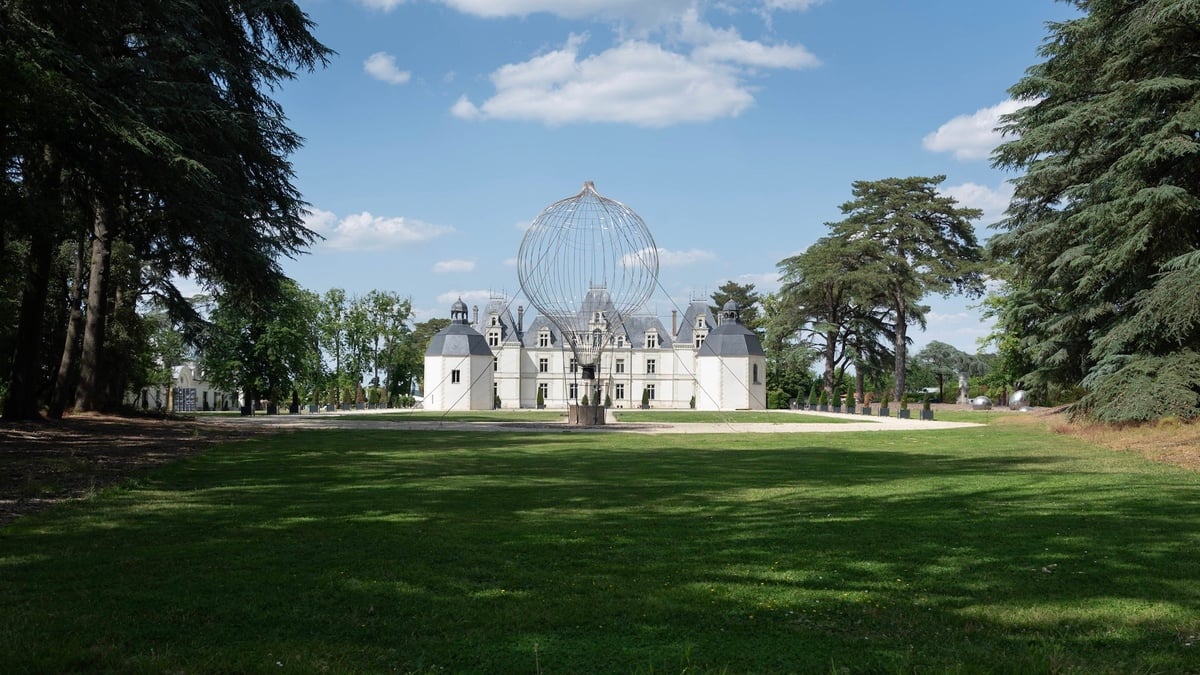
[
  {"x": 926, "y": 411},
  {"x": 645, "y": 399},
  {"x": 692, "y": 402},
  {"x": 823, "y": 402},
  {"x": 608, "y": 400},
  {"x": 866, "y": 404},
  {"x": 541, "y": 400},
  {"x": 584, "y": 401},
  {"x": 850, "y": 403},
  {"x": 496, "y": 401},
  {"x": 904, "y": 414},
  {"x": 837, "y": 402},
  {"x": 812, "y": 397},
  {"x": 883, "y": 407}
]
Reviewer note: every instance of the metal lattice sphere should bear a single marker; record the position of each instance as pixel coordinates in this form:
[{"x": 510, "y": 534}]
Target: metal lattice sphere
[{"x": 586, "y": 264}]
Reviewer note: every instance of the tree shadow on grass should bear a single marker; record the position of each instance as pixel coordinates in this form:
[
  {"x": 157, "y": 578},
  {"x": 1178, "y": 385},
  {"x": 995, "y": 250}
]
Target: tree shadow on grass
[{"x": 570, "y": 553}]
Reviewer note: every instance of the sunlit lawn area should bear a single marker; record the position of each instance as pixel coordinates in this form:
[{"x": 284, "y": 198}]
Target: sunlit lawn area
[
  {"x": 726, "y": 416},
  {"x": 990, "y": 549},
  {"x": 460, "y": 416}
]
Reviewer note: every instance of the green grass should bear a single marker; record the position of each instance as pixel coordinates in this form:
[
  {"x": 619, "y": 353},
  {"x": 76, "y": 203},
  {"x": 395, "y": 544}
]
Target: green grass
[
  {"x": 725, "y": 417},
  {"x": 989, "y": 549}
]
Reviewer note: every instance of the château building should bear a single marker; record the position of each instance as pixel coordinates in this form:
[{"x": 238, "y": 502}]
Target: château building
[{"x": 494, "y": 358}]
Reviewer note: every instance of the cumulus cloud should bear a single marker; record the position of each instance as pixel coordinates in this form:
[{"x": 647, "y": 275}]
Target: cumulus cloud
[
  {"x": 705, "y": 75},
  {"x": 635, "y": 82},
  {"x": 364, "y": 231},
  {"x": 382, "y": 66},
  {"x": 669, "y": 258},
  {"x": 992, "y": 201},
  {"x": 972, "y": 136},
  {"x": 452, "y": 266},
  {"x": 766, "y": 281},
  {"x": 449, "y": 297}
]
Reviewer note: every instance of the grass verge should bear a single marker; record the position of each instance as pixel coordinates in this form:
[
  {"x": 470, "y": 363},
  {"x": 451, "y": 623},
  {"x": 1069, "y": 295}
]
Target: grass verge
[{"x": 1001, "y": 548}]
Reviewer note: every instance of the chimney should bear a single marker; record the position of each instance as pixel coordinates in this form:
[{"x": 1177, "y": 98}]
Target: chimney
[
  {"x": 674, "y": 322},
  {"x": 475, "y": 315},
  {"x": 520, "y": 319}
]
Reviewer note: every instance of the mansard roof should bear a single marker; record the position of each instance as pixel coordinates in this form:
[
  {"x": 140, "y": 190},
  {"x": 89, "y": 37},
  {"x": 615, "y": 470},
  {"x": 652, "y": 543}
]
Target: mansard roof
[
  {"x": 508, "y": 325},
  {"x": 687, "y": 330}
]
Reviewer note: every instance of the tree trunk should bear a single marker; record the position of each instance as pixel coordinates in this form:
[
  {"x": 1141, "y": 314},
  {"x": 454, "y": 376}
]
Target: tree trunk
[
  {"x": 830, "y": 361},
  {"x": 24, "y": 382},
  {"x": 88, "y": 393},
  {"x": 67, "y": 376},
  {"x": 901, "y": 344}
]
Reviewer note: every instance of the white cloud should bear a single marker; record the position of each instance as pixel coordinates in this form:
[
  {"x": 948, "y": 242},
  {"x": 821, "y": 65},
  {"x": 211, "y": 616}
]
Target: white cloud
[
  {"x": 364, "y": 231},
  {"x": 510, "y": 262},
  {"x": 381, "y": 5},
  {"x": 727, "y": 46},
  {"x": 636, "y": 82},
  {"x": 767, "y": 281},
  {"x": 992, "y": 201},
  {"x": 972, "y": 136},
  {"x": 382, "y": 66},
  {"x": 668, "y": 258},
  {"x": 453, "y": 266},
  {"x": 449, "y": 297}
]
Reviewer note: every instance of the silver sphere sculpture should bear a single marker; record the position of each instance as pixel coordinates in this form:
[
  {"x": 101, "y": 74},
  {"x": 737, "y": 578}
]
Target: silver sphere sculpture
[
  {"x": 981, "y": 403},
  {"x": 1018, "y": 400},
  {"x": 586, "y": 264}
]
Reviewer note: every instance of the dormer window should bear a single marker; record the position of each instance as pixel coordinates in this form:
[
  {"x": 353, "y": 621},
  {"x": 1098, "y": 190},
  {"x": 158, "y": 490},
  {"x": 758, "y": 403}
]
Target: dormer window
[
  {"x": 651, "y": 340},
  {"x": 544, "y": 338},
  {"x": 699, "y": 340},
  {"x": 700, "y": 322},
  {"x": 493, "y": 338},
  {"x": 495, "y": 320}
]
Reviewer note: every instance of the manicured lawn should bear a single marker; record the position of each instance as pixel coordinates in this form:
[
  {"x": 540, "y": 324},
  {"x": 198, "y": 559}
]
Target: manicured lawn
[
  {"x": 990, "y": 549},
  {"x": 726, "y": 417}
]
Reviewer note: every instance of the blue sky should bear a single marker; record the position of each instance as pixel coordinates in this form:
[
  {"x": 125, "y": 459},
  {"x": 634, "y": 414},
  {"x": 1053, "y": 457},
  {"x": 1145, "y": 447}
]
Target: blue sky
[{"x": 734, "y": 128}]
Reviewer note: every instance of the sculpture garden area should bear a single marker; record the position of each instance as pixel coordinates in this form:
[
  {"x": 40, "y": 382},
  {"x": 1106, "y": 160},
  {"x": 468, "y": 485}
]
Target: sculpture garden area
[{"x": 1026, "y": 545}]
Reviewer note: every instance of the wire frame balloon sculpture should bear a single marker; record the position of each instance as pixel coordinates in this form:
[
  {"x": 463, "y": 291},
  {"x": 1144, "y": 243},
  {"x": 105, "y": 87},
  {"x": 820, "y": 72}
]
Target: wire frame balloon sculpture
[{"x": 586, "y": 264}]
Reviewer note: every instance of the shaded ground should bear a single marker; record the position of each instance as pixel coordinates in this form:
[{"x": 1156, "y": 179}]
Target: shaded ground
[
  {"x": 46, "y": 463},
  {"x": 42, "y": 463}
]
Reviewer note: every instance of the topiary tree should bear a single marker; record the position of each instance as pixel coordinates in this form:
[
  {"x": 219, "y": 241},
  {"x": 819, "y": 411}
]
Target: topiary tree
[
  {"x": 541, "y": 399},
  {"x": 583, "y": 401},
  {"x": 645, "y": 398}
]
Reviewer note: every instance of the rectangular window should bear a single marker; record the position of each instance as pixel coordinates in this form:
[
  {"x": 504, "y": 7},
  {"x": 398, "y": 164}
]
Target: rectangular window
[
  {"x": 756, "y": 374},
  {"x": 699, "y": 340},
  {"x": 650, "y": 389},
  {"x": 495, "y": 365},
  {"x": 573, "y": 390},
  {"x": 544, "y": 339},
  {"x": 543, "y": 365},
  {"x": 651, "y": 340},
  {"x": 493, "y": 339},
  {"x": 651, "y": 366},
  {"x": 620, "y": 367},
  {"x": 574, "y": 366},
  {"x": 455, "y": 376},
  {"x": 619, "y": 391},
  {"x": 544, "y": 387}
]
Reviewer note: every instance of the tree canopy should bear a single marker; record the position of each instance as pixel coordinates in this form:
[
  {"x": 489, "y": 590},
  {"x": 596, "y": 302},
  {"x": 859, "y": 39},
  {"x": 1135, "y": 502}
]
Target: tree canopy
[{"x": 1103, "y": 231}]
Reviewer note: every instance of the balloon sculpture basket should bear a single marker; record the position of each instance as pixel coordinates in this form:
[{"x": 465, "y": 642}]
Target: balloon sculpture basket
[{"x": 585, "y": 415}]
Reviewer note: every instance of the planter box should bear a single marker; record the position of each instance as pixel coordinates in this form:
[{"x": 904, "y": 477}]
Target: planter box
[
  {"x": 824, "y": 407},
  {"x": 927, "y": 414},
  {"x": 905, "y": 414},
  {"x": 849, "y": 410},
  {"x": 884, "y": 412},
  {"x": 312, "y": 408},
  {"x": 866, "y": 410}
]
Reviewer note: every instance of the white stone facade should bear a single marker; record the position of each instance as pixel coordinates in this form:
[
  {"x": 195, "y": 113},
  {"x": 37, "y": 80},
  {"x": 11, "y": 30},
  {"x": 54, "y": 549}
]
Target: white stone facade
[{"x": 646, "y": 355}]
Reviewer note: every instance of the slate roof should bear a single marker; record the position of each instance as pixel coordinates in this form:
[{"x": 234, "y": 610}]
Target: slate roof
[
  {"x": 731, "y": 337},
  {"x": 458, "y": 339}
]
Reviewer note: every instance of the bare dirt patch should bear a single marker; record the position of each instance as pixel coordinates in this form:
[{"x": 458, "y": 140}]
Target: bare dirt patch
[{"x": 43, "y": 463}]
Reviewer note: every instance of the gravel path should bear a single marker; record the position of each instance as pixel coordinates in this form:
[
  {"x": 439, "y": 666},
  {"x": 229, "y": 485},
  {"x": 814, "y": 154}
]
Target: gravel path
[{"x": 337, "y": 421}]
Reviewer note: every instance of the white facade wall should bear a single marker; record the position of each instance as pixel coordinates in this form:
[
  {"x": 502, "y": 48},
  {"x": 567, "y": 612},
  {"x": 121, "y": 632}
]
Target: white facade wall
[
  {"x": 732, "y": 383},
  {"x": 472, "y": 390}
]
